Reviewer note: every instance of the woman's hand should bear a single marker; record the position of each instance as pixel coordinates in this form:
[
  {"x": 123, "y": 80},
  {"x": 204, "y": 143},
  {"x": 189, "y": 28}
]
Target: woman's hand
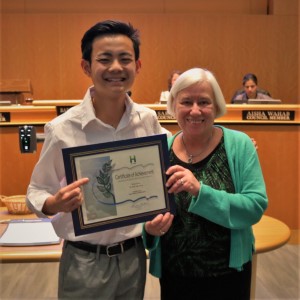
[
  {"x": 160, "y": 224},
  {"x": 66, "y": 199},
  {"x": 182, "y": 179}
]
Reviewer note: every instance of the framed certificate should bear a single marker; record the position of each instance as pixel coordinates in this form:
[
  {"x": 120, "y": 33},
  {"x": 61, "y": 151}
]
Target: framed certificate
[{"x": 127, "y": 182}]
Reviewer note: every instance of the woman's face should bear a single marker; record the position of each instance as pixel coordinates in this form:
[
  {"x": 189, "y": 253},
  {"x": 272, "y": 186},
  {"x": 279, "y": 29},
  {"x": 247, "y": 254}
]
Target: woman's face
[
  {"x": 250, "y": 88},
  {"x": 195, "y": 109}
]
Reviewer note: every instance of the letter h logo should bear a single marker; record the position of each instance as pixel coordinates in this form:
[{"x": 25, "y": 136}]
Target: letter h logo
[{"x": 132, "y": 159}]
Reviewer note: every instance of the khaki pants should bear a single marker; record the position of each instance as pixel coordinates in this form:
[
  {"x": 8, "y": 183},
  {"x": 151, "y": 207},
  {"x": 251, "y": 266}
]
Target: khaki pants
[{"x": 87, "y": 275}]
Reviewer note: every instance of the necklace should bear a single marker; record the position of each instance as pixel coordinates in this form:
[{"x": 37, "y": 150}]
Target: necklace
[{"x": 191, "y": 156}]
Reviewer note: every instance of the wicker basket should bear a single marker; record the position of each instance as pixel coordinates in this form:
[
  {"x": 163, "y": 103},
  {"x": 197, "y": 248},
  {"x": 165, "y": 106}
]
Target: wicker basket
[
  {"x": 1, "y": 202},
  {"x": 16, "y": 205}
]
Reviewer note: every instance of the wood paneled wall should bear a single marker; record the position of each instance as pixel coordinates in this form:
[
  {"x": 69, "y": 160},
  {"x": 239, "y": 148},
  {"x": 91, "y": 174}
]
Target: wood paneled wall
[
  {"x": 278, "y": 153},
  {"x": 40, "y": 40}
]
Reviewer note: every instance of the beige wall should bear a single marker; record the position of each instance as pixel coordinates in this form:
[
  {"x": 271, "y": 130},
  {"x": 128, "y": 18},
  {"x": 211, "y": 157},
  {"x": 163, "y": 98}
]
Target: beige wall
[{"x": 40, "y": 40}]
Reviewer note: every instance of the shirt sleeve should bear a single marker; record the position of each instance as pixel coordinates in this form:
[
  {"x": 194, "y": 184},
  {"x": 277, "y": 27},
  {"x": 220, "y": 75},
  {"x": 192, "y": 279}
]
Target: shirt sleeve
[{"x": 48, "y": 174}]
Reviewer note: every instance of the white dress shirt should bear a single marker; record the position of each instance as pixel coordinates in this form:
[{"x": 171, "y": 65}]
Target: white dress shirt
[{"x": 76, "y": 127}]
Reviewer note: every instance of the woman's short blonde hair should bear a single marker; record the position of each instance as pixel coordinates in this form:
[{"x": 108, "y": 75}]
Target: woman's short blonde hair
[{"x": 191, "y": 77}]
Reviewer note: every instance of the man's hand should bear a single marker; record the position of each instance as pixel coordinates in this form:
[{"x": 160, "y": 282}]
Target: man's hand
[{"x": 66, "y": 199}]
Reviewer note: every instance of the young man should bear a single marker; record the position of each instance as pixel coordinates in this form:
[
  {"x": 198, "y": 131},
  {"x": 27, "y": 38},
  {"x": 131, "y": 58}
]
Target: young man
[{"x": 110, "y": 57}]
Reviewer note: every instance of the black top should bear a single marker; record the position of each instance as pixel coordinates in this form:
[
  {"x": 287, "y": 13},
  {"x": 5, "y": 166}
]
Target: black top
[{"x": 194, "y": 246}]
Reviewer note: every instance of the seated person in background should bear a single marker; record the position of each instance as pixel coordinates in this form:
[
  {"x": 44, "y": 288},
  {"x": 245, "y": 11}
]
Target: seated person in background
[
  {"x": 165, "y": 94},
  {"x": 250, "y": 91}
]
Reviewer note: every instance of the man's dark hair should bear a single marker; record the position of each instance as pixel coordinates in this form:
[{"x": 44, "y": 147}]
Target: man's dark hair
[{"x": 109, "y": 27}]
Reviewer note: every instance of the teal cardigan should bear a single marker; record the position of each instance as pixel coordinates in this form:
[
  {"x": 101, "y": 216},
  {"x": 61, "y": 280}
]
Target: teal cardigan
[{"x": 238, "y": 211}]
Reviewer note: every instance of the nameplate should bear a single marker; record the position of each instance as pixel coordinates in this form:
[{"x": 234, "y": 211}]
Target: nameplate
[
  {"x": 61, "y": 109},
  {"x": 163, "y": 115},
  {"x": 268, "y": 115},
  {"x": 4, "y": 117}
]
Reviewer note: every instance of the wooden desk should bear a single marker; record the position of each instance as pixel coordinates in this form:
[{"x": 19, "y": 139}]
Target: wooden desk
[
  {"x": 46, "y": 253},
  {"x": 278, "y": 133},
  {"x": 270, "y": 234}
]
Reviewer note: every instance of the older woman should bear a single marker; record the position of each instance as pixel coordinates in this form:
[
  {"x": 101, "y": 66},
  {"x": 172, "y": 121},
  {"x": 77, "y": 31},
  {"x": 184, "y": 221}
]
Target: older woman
[{"x": 220, "y": 193}]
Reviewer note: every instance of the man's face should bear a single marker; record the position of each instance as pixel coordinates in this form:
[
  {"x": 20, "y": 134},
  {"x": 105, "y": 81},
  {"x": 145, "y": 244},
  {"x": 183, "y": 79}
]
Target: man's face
[
  {"x": 113, "y": 66},
  {"x": 250, "y": 88}
]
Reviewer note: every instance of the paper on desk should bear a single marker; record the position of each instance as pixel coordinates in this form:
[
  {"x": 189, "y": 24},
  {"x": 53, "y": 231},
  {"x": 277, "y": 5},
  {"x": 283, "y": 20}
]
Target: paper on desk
[{"x": 29, "y": 233}]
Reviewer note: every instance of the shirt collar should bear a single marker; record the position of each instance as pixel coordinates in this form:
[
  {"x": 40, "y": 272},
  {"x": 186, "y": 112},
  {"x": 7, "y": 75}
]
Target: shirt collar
[{"x": 88, "y": 111}]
